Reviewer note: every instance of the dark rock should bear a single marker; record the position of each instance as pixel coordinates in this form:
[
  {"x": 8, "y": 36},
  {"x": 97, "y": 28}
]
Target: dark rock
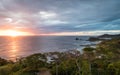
[{"x": 77, "y": 39}]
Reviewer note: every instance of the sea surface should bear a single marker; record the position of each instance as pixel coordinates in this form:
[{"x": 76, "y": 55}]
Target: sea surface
[{"x": 15, "y": 47}]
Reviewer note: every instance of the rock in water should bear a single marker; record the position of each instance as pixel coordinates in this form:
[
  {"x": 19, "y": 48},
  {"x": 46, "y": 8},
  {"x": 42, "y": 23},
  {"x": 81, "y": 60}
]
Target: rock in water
[{"x": 77, "y": 39}]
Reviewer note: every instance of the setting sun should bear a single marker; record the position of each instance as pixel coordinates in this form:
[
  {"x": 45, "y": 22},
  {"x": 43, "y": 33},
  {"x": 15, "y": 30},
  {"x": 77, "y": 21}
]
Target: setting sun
[{"x": 13, "y": 33}]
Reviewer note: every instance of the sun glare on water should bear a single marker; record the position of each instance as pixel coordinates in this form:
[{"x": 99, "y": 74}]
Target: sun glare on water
[{"x": 13, "y": 33}]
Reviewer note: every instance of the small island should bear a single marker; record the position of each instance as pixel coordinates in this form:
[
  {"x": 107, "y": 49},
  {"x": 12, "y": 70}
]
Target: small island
[{"x": 104, "y": 37}]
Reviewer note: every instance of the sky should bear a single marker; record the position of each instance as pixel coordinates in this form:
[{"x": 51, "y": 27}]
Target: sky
[{"x": 61, "y": 17}]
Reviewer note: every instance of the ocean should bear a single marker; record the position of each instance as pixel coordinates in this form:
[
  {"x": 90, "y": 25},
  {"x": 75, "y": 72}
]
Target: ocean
[{"x": 16, "y": 47}]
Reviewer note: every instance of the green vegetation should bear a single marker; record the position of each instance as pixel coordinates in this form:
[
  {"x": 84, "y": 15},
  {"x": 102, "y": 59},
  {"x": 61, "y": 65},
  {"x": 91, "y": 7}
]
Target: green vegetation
[{"x": 102, "y": 60}]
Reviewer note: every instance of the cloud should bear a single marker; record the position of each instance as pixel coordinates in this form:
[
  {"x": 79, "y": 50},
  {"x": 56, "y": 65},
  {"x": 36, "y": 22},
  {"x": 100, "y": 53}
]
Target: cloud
[
  {"x": 9, "y": 20},
  {"x": 84, "y": 33},
  {"x": 49, "y": 16}
]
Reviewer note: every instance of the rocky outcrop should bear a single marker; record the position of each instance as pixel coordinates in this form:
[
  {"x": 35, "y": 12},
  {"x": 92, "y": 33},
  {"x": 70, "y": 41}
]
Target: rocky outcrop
[{"x": 93, "y": 39}]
